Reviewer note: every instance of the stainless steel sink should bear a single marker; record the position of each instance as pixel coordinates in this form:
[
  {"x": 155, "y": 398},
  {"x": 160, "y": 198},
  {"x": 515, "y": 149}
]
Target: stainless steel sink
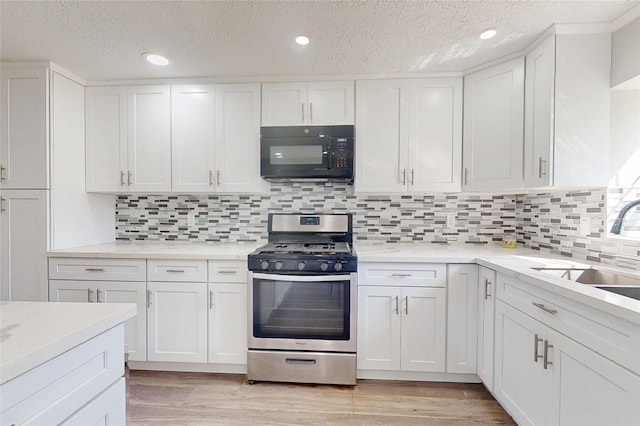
[
  {"x": 623, "y": 290},
  {"x": 592, "y": 276}
]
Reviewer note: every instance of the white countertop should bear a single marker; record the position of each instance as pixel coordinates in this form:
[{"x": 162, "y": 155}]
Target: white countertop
[
  {"x": 32, "y": 333},
  {"x": 161, "y": 250},
  {"x": 515, "y": 262}
]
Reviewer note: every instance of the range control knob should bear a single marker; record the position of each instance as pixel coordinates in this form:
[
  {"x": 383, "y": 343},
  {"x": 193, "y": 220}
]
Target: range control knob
[
  {"x": 338, "y": 266},
  {"x": 278, "y": 265},
  {"x": 324, "y": 266},
  {"x": 301, "y": 265},
  {"x": 264, "y": 264}
]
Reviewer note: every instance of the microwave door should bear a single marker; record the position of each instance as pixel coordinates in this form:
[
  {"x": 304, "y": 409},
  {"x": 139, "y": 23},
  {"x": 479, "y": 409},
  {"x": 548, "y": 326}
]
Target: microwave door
[{"x": 295, "y": 157}]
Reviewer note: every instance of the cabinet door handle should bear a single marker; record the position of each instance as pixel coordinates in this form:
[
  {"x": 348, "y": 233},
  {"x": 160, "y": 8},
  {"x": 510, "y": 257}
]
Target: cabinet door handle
[
  {"x": 129, "y": 178},
  {"x": 311, "y": 112},
  {"x": 412, "y": 176},
  {"x": 218, "y": 177},
  {"x": 541, "y": 168},
  {"x": 2, "y": 209},
  {"x": 536, "y": 340},
  {"x": 406, "y": 306},
  {"x": 228, "y": 271},
  {"x": 544, "y": 308},
  {"x": 545, "y": 360},
  {"x": 98, "y": 293},
  {"x": 303, "y": 113},
  {"x": 210, "y": 177},
  {"x": 487, "y": 283},
  {"x": 175, "y": 270},
  {"x": 404, "y": 176},
  {"x": 121, "y": 177},
  {"x": 466, "y": 176},
  {"x": 397, "y": 310},
  {"x": 94, "y": 269},
  {"x": 89, "y": 295},
  {"x": 400, "y": 274},
  {"x": 2, "y": 176},
  {"x": 148, "y": 298},
  {"x": 211, "y": 299}
]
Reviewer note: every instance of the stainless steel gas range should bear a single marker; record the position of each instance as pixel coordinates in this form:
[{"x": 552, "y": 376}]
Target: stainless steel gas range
[{"x": 302, "y": 301}]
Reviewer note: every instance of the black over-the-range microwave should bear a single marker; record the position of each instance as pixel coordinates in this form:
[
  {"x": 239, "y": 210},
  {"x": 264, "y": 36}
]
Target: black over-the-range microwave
[{"x": 312, "y": 152}]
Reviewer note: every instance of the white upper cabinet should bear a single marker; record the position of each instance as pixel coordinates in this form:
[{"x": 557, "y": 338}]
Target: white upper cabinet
[
  {"x": 493, "y": 127},
  {"x": 567, "y": 111},
  {"x": 238, "y": 138},
  {"x": 193, "y": 138},
  {"x": 25, "y": 127},
  {"x": 408, "y": 135},
  {"x": 308, "y": 103},
  {"x": 128, "y": 140}
]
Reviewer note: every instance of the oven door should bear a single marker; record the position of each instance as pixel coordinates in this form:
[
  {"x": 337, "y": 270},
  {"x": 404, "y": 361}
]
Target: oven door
[
  {"x": 295, "y": 157},
  {"x": 302, "y": 312}
]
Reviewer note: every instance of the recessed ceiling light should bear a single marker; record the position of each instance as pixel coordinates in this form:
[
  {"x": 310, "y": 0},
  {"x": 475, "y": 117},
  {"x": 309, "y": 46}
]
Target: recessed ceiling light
[
  {"x": 156, "y": 59},
  {"x": 302, "y": 40},
  {"x": 486, "y": 35}
]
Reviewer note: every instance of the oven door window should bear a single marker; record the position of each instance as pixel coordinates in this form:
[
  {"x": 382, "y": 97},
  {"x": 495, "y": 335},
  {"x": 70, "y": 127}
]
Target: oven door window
[{"x": 301, "y": 309}]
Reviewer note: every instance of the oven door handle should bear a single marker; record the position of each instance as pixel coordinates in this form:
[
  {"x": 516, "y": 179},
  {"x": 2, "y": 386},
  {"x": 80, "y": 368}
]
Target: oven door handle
[{"x": 302, "y": 278}]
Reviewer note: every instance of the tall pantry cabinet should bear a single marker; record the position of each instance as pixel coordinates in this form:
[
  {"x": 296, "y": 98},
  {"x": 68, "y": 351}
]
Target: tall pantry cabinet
[{"x": 42, "y": 200}]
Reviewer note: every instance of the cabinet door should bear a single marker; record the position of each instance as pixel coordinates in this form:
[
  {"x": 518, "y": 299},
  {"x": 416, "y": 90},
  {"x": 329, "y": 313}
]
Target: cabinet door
[
  {"x": 72, "y": 291},
  {"x": 149, "y": 138},
  {"x": 462, "y": 319},
  {"x": 435, "y": 134},
  {"x": 538, "y": 113},
  {"x": 520, "y": 382},
  {"x": 228, "y": 323},
  {"x": 379, "y": 328},
  {"x": 107, "y": 409},
  {"x": 589, "y": 389},
  {"x": 23, "y": 245},
  {"x": 331, "y": 103},
  {"x": 177, "y": 322},
  {"x": 193, "y": 138},
  {"x": 381, "y": 136},
  {"x": 135, "y": 329},
  {"x": 423, "y": 329},
  {"x": 106, "y": 139},
  {"x": 493, "y": 127},
  {"x": 24, "y": 141},
  {"x": 238, "y": 138},
  {"x": 486, "y": 307},
  {"x": 284, "y": 104}
]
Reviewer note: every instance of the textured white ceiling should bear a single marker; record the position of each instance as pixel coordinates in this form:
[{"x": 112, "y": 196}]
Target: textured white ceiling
[{"x": 104, "y": 40}]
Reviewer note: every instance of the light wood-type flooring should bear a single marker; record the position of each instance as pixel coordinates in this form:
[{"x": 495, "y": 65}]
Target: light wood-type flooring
[{"x": 167, "y": 398}]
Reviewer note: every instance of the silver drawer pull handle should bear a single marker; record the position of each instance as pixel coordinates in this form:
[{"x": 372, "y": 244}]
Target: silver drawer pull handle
[
  {"x": 546, "y": 361},
  {"x": 398, "y": 274},
  {"x": 222, "y": 271},
  {"x": 300, "y": 361},
  {"x": 544, "y": 308},
  {"x": 94, "y": 269},
  {"x": 175, "y": 270},
  {"x": 487, "y": 283},
  {"x": 536, "y": 340}
]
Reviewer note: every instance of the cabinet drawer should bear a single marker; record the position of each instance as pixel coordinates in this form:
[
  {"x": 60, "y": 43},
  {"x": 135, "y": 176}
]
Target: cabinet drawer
[
  {"x": 177, "y": 270},
  {"x": 228, "y": 271},
  {"x": 610, "y": 336},
  {"x": 97, "y": 269},
  {"x": 56, "y": 389},
  {"x": 405, "y": 274}
]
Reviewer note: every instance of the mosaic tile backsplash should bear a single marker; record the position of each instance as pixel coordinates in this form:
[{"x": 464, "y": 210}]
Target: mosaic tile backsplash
[
  {"x": 567, "y": 223},
  {"x": 437, "y": 218}
]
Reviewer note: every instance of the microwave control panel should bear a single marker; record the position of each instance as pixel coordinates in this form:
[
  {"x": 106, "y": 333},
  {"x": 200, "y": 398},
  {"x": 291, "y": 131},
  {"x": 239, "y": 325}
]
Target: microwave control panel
[{"x": 341, "y": 153}]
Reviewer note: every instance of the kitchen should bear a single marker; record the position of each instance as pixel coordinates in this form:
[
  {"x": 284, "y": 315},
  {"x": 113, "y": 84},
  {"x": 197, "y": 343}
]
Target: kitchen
[{"x": 165, "y": 197}]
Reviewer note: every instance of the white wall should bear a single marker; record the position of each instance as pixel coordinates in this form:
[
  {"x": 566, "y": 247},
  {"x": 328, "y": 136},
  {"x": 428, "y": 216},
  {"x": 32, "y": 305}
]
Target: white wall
[
  {"x": 624, "y": 158},
  {"x": 77, "y": 218},
  {"x": 625, "y": 53}
]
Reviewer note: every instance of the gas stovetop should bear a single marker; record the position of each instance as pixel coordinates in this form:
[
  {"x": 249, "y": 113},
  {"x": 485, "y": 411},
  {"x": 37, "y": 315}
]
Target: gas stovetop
[{"x": 309, "y": 244}]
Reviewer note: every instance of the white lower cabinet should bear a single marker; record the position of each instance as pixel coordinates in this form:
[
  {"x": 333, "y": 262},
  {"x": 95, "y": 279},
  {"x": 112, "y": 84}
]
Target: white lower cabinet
[
  {"x": 177, "y": 315},
  {"x": 401, "y": 328},
  {"x": 228, "y": 323},
  {"x": 543, "y": 377},
  {"x": 462, "y": 317},
  {"x": 108, "y": 408},
  {"x": 486, "y": 308}
]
